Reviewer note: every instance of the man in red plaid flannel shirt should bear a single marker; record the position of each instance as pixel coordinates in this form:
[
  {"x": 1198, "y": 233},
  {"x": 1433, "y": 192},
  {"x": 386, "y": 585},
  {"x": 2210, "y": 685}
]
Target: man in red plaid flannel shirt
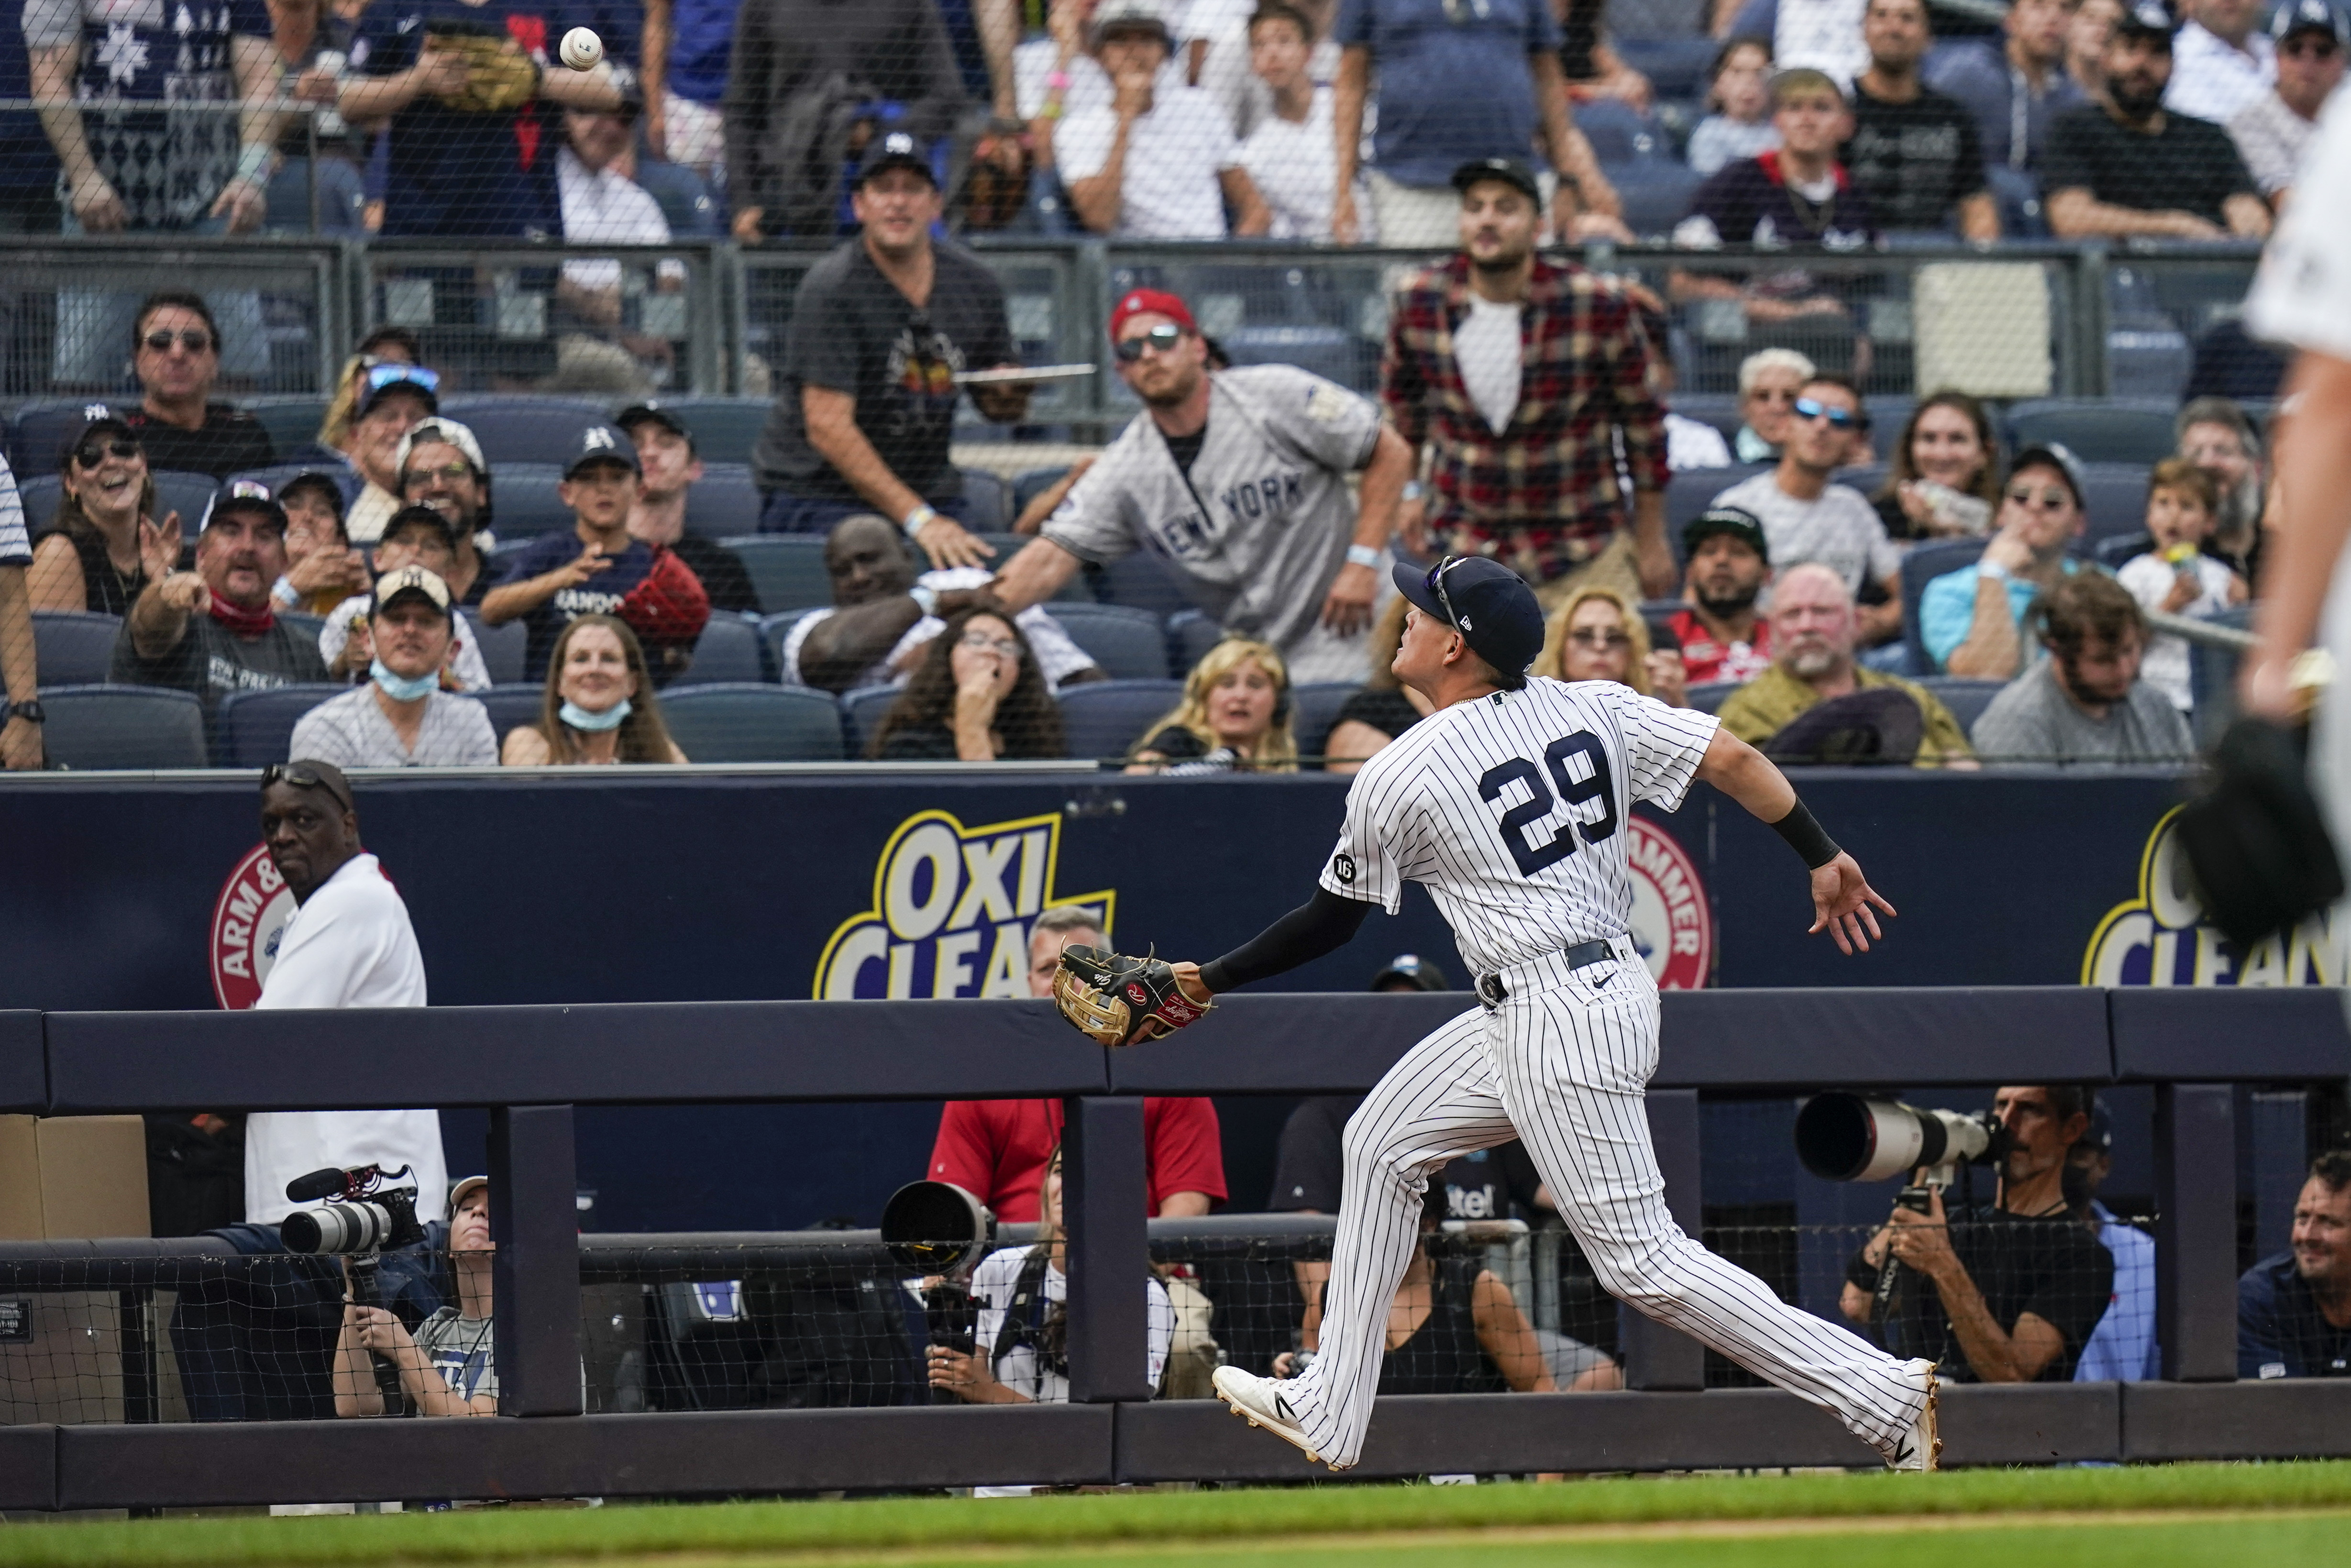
[{"x": 1522, "y": 376}]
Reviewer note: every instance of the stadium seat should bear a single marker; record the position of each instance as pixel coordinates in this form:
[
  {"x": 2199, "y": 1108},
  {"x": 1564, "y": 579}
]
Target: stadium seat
[
  {"x": 40, "y": 429},
  {"x": 774, "y": 628},
  {"x": 728, "y": 650},
  {"x": 1693, "y": 490},
  {"x": 1103, "y": 720},
  {"x": 38, "y": 494},
  {"x": 1967, "y": 699},
  {"x": 1129, "y": 644},
  {"x": 2114, "y": 497},
  {"x": 1655, "y": 189},
  {"x": 523, "y": 501},
  {"x": 96, "y": 726},
  {"x": 1315, "y": 709},
  {"x": 2094, "y": 429},
  {"x": 1707, "y": 697},
  {"x": 753, "y": 721},
  {"x": 724, "y": 504},
  {"x": 683, "y": 197},
  {"x": 989, "y": 499},
  {"x": 725, "y": 428},
  {"x": 1028, "y": 487},
  {"x": 72, "y": 648},
  {"x": 785, "y": 569},
  {"x": 189, "y": 494},
  {"x": 2212, "y": 678},
  {"x": 1190, "y": 634},
  {"x": 1720, "y": 410},
  {"x": 1925, "y": 563},
  {"x": 503, "y": 647},
  {"x": 1867, "y": 478},
  {"x": 515, "y": 427},
  {"x": 1138, "y": 580},
  {"x": 2112, "y": 552},
  {"x": 511, "y": 707},
  {"x": 254, "y": 729},
  {"x": 303, "y": 624},
  {"x": 292, "y": 421},
  {"x": 1888, "y": 413},
  {"x": 861, "y": 714}
]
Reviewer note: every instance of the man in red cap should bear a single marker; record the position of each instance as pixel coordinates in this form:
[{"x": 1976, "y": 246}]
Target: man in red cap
[{"x": 1236, "y": 479}]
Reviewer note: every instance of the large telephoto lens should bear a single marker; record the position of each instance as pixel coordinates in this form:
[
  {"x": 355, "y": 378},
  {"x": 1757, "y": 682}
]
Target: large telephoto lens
[{"x": 335, "y": 1227}]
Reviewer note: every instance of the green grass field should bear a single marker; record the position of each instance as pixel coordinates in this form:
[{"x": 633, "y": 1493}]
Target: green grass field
[{"x": 2183, "y": 1516}]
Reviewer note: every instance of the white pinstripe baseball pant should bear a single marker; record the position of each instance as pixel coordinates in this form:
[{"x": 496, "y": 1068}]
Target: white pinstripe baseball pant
[{"x": 1564, "y": 1067}]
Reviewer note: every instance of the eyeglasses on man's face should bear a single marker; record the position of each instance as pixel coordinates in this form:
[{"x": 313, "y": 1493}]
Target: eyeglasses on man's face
[
  {"x": 1838, "y": 418},
  {"x": 190, "y": 339}
]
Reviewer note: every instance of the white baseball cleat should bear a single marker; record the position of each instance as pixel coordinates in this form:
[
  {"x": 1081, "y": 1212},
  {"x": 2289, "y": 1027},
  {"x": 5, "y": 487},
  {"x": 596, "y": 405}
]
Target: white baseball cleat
[
  {"x": 1921, "y": 1448},
  {"x": 1259, "y": 1401}
]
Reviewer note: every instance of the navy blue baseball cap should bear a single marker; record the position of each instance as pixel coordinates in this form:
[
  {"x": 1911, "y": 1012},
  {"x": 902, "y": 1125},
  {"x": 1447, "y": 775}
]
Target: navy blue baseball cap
[
  {"x": 2309, "y": 17},
  {"x": 895, "y": 149},
  {"x": 2147, "y": 19},
  {"x": 1491, "y": 605},
  {"x": 603, "y": 443}
]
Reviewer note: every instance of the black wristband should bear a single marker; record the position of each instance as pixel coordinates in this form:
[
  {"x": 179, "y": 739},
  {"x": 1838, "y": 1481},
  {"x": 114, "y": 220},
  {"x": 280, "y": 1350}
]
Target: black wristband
[
  {"x": 1804, "y": 836},
  {"x": 1212, "y": 975}
]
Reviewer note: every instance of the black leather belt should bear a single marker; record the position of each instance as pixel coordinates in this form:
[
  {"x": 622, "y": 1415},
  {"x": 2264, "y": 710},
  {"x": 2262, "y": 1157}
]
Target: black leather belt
[{"x": 1583, "y": 955}]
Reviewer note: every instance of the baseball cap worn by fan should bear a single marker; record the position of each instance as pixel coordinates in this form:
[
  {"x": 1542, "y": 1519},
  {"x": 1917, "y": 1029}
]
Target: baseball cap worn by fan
[
  {"x": 97, "y": 419},
  {"x": 420, "y": 517},
  {"x": 447, "y": 431},
  {"x": 1410, "y": 970},
  {"x": 603, "y": 443},
  {"x": 394, "y": 586},
  {"x": 383, "y": 381},
  {"x": 2052, "y": 454},
  {"x": 243, "y": 496},
  {"x": 1127, "y": 17},
  {"x": 1509, "y": 170},
  {"x": 2310, "y": 16},
  {"x": 895, "y": 149},
  {"x": 1150, "y": 302},
  {"x": 652, "y": 413},
  {"x": 1738, "y": 522},
  {"x": 1491, "y": 605},
  {"x": 2147, "y": 19}
]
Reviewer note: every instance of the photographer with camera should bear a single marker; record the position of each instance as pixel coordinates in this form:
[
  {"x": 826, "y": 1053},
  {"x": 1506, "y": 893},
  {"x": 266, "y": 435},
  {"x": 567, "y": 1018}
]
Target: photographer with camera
[
  {"x": 448, "y": 1366},
  {"x": 2001, "y": 1292},
  {"x": 1024, "y": 1320}
]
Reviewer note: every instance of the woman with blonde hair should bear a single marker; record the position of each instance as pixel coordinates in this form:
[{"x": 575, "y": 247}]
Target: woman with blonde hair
[
  {"x": 1597, "y": 635},
  {"x": 1235, "y": 715},
  {"x": 600, "y": 706}
]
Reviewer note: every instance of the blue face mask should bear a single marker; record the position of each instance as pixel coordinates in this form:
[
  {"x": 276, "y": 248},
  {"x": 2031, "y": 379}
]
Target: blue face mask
[
  {"x": 578, "y": 717},
  {"x": 399, "y": 689}
]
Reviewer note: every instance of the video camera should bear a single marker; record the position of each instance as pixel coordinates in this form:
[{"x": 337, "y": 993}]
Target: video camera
[
  {"x": 940, "y": 1230},
  {"x": 363, "y": 1212}
]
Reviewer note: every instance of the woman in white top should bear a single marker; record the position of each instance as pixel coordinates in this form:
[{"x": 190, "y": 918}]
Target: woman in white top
[{"x": 1023, "y": 1333}]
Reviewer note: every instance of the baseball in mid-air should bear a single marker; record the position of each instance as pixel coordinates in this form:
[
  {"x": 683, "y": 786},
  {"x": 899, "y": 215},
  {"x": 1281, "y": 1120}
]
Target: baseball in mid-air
[{"x": 581, "y": 49}]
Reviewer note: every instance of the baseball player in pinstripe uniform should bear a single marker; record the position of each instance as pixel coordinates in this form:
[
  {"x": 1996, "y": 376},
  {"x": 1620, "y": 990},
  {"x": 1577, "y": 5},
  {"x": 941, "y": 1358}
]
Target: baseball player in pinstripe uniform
[{"x": 1509, "y": 804}]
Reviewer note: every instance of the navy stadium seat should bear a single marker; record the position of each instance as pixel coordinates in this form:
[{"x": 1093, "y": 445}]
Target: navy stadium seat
[
  {"x": 1138, "y": 580},
  {"x": 2213, "y": 677},
  {"x": 1692, "y": 491},
  {"x": 1104, "y": 720},
  {"x": 988, "y": 501},
  {"x": 40, "y": 431},
  {"x": 72, "y": 647},
  {"x": 1314, "y": 709},
  {"x": 1966, "y": 698},
  {"x": 1707, "y": 697},
  {"x": 523, "y": 500},
  {"x": 503, "y": 647},
  {"x": 1925, "y": 563},
  {"x": 189, "y": 494},
  {"x": 1129, "y": 644},
  {"x": 775, "y": 627},
  {"x": 2114, "y": 497},
  {"x": 2094, "y": 429},
  {"x": 511, "y": 707},
  {"x": 723, "y": 503},
  {"x": 1888, "y": 413},
  {"x": 292, "y": 421},
  {"x": 1190, "y": 634},
  {"x": 1028, "y": 487},
  {"x": 785, "y": 569},
  {"x": 2114, "y": 551},
  {"x": 1655, "y": 191},
  {"x": 517, "y": 427},
  {"x": 725, "y": 428},
  {"x": 96, "y": 726},
  {"x": 683, "y": 197},
  {"x": 303, "y": 624},
  {"x": 862, "y": 712},
  {"x": 728, "y": 650},
  {"x": 753, "y": 721},
  {"x": 254, "y": 729}
]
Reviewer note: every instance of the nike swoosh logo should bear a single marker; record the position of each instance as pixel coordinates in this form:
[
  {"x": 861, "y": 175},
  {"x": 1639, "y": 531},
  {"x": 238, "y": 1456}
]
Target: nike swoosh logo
[
  {"x": 1281, "y": 1409},
  {"x": 1902, "y": 1455}
]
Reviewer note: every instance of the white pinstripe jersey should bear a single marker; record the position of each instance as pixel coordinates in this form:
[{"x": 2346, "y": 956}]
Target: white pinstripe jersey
[{"x": 1511, "y": 810}]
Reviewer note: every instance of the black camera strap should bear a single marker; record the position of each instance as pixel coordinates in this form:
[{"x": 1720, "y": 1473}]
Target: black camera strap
[{"x": 1024, "y": 1314}]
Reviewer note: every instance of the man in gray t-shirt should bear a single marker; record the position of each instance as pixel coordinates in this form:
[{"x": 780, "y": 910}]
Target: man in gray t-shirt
[
  {"x": 2084, "y": 702},
  {"x": 214, "y": 631},
  {"x": 1237, "y": 481}
]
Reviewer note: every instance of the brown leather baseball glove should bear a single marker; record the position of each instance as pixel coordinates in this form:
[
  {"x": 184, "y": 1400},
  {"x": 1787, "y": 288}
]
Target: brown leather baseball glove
[{"x": 1118, "y": 999}]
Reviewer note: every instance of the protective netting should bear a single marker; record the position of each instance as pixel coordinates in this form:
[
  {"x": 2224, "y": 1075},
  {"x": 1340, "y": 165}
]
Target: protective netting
[{"x": 818, "y": 1320}]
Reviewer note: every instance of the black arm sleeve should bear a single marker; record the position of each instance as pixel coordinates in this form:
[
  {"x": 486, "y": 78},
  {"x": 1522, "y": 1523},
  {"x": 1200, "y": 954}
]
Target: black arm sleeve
[{"x": 1323, "y": 924}]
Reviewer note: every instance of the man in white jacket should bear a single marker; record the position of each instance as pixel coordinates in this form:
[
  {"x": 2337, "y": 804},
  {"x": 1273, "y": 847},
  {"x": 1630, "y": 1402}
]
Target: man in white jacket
[{"x": 349, "y": 945}]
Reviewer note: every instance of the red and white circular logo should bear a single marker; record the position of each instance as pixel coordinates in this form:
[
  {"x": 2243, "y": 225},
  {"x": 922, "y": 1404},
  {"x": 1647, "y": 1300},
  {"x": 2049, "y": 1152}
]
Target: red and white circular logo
[
  {"x": 1672, "y": 923},
  {"x": 247, "y": 925}
]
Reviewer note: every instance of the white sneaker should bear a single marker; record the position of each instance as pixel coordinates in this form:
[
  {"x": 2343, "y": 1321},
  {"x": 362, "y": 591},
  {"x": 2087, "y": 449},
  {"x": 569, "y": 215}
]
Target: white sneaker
[
  {"x": 1259, "y": 1401},
  {"x": 1921, "y": 1448}
]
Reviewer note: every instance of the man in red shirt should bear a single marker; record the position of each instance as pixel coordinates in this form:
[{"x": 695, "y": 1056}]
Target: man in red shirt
[
  {"x": 1722, "y": 637},
  {"x": 997, "y": 1148}
]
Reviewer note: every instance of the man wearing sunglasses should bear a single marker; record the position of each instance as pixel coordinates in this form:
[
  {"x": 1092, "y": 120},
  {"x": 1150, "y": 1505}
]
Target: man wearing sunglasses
[
  {"x": 214, "y": 630},
  {"x": 1972, "y": 620},
  {"x": 1807, "y": 518},
  {"x": 2275, "y": 130},
  {"x": 176, "y": 351},
  {"x": 1236, "y": 480}
]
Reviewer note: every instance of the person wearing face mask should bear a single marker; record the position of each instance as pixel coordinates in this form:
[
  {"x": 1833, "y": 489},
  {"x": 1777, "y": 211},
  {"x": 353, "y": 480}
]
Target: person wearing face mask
[
  {"x": 600, "y": 706},
  {"x": 104, "y": 546},
  {"x": 393, "y": 400},
  {"x": 216, "y": 629},
  {"x": 2085, "y": 703},
  {"x": 977, "y": 697},
  {"x": 1972, "y": 620},
  {"x": 1597, "y": 635},
  {"x": 402, "y": 717},
  {"x": 1235, "y": 715},
  {"x": 416, "y": 536}
]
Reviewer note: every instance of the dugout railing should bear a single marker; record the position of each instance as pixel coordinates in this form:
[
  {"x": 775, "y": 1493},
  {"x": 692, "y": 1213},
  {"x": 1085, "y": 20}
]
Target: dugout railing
[
  {"x": 708, "y": 318},
  {"x": 531, "y": 1065}
]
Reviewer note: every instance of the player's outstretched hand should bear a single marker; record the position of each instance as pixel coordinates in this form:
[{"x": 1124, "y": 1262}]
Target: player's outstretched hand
[{"x": 1845, "y": 902}]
